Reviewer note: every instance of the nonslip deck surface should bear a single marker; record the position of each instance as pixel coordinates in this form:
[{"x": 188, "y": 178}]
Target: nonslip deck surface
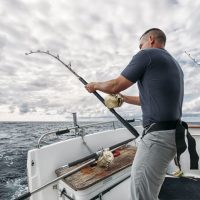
[
  {"x": 180, "y": 189},
  {"x": 91, "y": 175}
]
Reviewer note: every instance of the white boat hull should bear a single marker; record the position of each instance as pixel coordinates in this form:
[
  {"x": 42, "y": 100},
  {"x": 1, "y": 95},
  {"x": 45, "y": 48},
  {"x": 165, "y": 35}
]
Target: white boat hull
[{"x": 43, "y": 162}]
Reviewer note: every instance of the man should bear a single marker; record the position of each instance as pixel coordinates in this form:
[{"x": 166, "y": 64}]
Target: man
[{"x": 160, "y": 81}]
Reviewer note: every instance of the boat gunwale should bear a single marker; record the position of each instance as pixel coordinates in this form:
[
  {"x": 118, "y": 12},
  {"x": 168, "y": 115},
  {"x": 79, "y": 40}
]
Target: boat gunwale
[{"x": 193, "y": 126}]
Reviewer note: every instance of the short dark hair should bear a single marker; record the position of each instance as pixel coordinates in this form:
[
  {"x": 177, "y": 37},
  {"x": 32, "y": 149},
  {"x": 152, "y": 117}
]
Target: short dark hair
[{"x": 159, "y": 34}]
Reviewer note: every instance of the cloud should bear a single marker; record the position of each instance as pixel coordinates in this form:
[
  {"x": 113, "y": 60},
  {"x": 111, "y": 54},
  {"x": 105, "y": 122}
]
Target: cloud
[
  {"x": 99, "y": 38},
  {"x": 24, "y": 108},
  {"x": 193, "y": 106}
]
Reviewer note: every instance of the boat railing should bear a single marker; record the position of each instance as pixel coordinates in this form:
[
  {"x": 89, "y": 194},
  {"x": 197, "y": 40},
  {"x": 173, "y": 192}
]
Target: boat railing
[{"x": 78, "y": 130}]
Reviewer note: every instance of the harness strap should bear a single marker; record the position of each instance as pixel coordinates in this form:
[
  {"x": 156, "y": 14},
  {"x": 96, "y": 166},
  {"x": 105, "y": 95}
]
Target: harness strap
[
  {"x": 181, "y": 145},
  {"x": 194, "y": 158}
]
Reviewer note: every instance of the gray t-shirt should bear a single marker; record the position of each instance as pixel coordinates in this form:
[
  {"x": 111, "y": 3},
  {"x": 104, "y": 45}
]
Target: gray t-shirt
[{"x": 160, "y": 83}]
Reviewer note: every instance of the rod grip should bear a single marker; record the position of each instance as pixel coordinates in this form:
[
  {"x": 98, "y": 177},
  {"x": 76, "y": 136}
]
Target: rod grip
[
  {"x": 121, "y": 143},
  {"x": 62, "y": 132},
  {"x": 125, "y": 123},
  {"x": 130, "y": 120},
  {"x": 94, "y": 155},
  {"x": 95, "y": 93},
  {"x": 82, "y": 81}
]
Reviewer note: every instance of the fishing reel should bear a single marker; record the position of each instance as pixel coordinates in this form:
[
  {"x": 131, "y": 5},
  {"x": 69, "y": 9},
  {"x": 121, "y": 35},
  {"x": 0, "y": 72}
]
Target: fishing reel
[
  {"x": 105, "y": 158},
  {"x": 113, "y": 100}
]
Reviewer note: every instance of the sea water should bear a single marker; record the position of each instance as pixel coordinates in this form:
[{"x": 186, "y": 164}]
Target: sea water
[{"x": 16, "y": 139}]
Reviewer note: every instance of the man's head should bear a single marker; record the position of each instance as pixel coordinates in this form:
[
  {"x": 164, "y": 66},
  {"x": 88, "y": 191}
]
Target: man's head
[{"x": 153, "y": 38}]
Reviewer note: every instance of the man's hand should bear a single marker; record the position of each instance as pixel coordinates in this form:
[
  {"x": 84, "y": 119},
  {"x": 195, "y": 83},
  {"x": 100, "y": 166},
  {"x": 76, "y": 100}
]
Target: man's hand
[{"x": 90, "y": 87}]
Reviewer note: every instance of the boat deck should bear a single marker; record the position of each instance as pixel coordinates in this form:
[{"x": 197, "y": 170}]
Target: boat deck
[
  {"x": 93, "y": 174},
  {"x": 180, "y": 189},
  {"x": 173, "y": 188}
]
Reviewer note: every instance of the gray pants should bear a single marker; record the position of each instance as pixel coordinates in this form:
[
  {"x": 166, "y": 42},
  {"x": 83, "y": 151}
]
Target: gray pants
[{"x": 154, "y": 153}]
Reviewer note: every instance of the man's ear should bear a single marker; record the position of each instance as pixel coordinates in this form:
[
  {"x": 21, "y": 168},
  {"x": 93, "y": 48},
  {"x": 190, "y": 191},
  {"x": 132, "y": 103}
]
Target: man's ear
[{"x": 151, "y": 39}]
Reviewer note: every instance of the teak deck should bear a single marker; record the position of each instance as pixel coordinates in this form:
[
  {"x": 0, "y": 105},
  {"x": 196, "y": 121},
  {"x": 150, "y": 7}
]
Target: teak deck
[{"x": 91, "y": 175}]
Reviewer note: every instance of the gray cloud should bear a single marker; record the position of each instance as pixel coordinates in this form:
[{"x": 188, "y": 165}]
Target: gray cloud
[
  {"x": 99, "y": 38},
  {"x": 24, "y": 108},
  {"x": 12, "y": 109}
]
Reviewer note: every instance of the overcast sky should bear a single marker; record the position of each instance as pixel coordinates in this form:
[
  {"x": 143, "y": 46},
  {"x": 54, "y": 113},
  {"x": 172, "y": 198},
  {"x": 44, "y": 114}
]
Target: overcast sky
[{"x": 99, "y": 38}]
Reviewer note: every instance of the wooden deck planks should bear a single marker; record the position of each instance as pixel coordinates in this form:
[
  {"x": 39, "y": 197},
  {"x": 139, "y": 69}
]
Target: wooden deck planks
[{"x": 91, "y": 175}]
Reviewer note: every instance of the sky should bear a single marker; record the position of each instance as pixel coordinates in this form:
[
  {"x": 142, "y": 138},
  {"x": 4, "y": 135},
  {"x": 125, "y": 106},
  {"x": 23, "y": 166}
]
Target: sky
[{"x": 99, "y": 38}]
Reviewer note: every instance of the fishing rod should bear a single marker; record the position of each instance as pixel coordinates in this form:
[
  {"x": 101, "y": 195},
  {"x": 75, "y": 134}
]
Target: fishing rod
[
  {"x": 193, "y": 59},
  {"x": 96, "y": 154},
  {"x": 28, "y": 194},
  {"x": 123, "y": 121},
  {"x": 90, "y": 159}
]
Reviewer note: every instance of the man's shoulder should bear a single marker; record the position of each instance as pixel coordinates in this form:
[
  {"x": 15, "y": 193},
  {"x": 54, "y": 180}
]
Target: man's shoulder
[
  {"x": 157, "y": 53},
  {"x": 141, "y": 54},
  {"x": 150, "y": 52}
]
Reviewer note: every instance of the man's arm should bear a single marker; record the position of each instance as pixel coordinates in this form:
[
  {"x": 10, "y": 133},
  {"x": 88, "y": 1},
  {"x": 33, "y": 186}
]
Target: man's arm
[
  {"x": 113, "y": 86},
  {"x": 131, "y": 99}
]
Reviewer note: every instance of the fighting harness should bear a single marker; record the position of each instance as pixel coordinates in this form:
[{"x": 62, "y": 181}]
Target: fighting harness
[{"x": 181, "y": 146}]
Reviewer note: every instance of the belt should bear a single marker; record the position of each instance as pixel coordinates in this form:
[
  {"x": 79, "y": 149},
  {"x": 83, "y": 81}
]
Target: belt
[{"x": 160, "y": 126}]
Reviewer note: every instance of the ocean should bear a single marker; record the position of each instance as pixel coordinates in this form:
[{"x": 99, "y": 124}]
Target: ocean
[{"x": 16, "y": 139}]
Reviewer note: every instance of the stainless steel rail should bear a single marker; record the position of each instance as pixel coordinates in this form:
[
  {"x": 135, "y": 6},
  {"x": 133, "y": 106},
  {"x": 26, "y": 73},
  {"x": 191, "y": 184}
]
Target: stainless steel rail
[{"x": 78, "y": 130}]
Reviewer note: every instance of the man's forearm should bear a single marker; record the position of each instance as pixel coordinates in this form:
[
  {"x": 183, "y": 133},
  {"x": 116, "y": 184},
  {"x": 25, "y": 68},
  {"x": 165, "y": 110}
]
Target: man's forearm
[
  {"x": 113, "y": 86},
  {"x": 132, "y": 99},
  {"x": 109, "y": 87}
]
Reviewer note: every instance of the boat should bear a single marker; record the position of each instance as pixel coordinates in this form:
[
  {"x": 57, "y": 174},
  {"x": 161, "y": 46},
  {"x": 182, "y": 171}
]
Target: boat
[
  {"x": 69, "y": 170},
  {"x": 98, "y": 165}
]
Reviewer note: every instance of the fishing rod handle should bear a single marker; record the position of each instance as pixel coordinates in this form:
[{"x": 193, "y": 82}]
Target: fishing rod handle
[
  {"x": 95, "y": 93},
  {"x": 94, "y": 155},
  {"x": 24, "y": 196},
  {"x": 82, "y": 80},
  {"x": 125, "y": 123},
  {"x": 120, "y": 144},
  {"x": 62, "y": 131}
]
